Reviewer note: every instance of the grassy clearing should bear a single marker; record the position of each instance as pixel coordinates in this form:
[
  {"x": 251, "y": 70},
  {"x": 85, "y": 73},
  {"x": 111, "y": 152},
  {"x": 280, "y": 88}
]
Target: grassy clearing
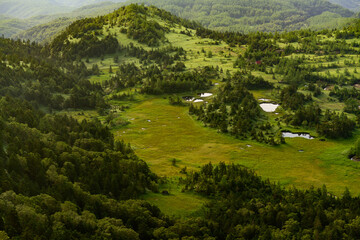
[
  {"x": 108, "y": 61},
  {"x": 160, "y": 132},
  {"x": 177, "y": 203},
  {"x": 81, "y": 114},
  {"x": 198, "y": 51},
  {"x": 105, "y": 75}
]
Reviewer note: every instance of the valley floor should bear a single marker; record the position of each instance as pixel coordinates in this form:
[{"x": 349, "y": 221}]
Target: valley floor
[{"x": 160, "y": 132}]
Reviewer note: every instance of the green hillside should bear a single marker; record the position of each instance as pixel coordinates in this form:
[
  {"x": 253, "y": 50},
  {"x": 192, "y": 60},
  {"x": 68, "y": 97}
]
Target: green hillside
[
  {"x": 243, "y": 16},
  {"x": 44, "y": 32},
  {"x": 251, "y": 16},
  {"x": 10, "y": 26},
  {"x": 44, "y": 28},
  {"x": 139, "y": 124},
  {"x": 39, "y": 22}
]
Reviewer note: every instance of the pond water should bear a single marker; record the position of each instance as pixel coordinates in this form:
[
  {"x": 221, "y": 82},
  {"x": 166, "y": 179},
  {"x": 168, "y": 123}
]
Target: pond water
[
  {"x": 294, "y": 135},
  {"x": 205, "y": 94},
  {"x": 198, "y": 100},
  {"x": 269, "y": 107}
]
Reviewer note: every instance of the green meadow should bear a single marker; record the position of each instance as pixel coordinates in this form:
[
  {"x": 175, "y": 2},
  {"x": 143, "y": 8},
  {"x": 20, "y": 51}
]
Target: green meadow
[
  {"x": 160, "y": 132},
  {"x": 171, "y": 141}
]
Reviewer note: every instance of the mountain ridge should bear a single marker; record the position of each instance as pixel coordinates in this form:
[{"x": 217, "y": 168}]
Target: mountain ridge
[
  {"x": 353, "y": 5},
  {"x": 250, "y": 16},
  {"x": 215, "y": 16}
]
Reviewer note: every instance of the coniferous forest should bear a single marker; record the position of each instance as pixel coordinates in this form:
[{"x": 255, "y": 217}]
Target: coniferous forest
[{"x": 140, "y": 124}]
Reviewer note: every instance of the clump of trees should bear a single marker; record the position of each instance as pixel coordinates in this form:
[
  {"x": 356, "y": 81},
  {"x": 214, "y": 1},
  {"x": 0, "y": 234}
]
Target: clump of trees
[
  {"x": 250, "y": 81},
  {"x": 245, "y": 206},
  {"x": 176, "y": 82},
  {"x": 31, "y": 74},
  {"x": 74, "y": 151},
  {"x": 235, "y": 110},
  {"x": 335, "y": 125},
  {"x": 292, "y": 99}
]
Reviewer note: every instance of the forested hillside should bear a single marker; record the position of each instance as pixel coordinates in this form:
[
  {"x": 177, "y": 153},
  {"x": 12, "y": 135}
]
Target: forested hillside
[
  {"x": 252, "y": 16},
  {"x": 240, "y": 16},
  {"x": 353, "y": 5},
  {"x": 45, "y": 27},
  {"x": 26, "y": 9},
  {"x": 139, "y": 124},
  {"x": 10, "y": 26}
]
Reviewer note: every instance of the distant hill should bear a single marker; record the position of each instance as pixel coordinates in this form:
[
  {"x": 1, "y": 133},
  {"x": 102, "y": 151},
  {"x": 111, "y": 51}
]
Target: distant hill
[
  {"x": 239, "y": 15},
  {"x": 252, "y": 15},
  {"x": 26, "y": 9},
  {"x": 96, "y": 36},
  {"x": 44, "y": 27},
  {"x": 11, "y": 26},
  {"x": 46, "y": 31},
  {"x": 350, "y": 4},
  {"x": 77, "y": 3}
]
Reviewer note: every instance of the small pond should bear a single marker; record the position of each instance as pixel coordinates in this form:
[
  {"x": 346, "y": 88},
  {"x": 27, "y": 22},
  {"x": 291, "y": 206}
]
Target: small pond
[
  {"x": 264, "y": 99},
  {"x": 205, "y": 94},
  {"x": 269, "y": 107},
  {"x": 294, "y": 135}
]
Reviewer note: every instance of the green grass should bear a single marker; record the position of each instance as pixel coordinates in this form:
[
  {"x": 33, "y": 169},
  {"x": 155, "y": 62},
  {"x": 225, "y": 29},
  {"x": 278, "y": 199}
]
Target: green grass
[
  {"x": 172, "y": 133},
  {"x": 104, "y": 76},
  {"x": 109, "y": 60},
  {"x": 223, "y": 56},
  {"x": 80, "y": 114},
  {"x": 177, "y": 203}
]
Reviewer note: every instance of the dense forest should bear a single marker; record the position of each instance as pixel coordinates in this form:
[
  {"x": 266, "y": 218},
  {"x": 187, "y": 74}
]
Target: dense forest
[
  {"x": 27, "y": 73},
  {"x": 67, "y": 173},
  {"x": 252, "y": 16}
]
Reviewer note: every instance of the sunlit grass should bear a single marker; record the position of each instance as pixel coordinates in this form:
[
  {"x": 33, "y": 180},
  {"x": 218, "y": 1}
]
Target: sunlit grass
[
  {"x": 177, "y": 203},
  {"x": 160, "y": 132}
]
